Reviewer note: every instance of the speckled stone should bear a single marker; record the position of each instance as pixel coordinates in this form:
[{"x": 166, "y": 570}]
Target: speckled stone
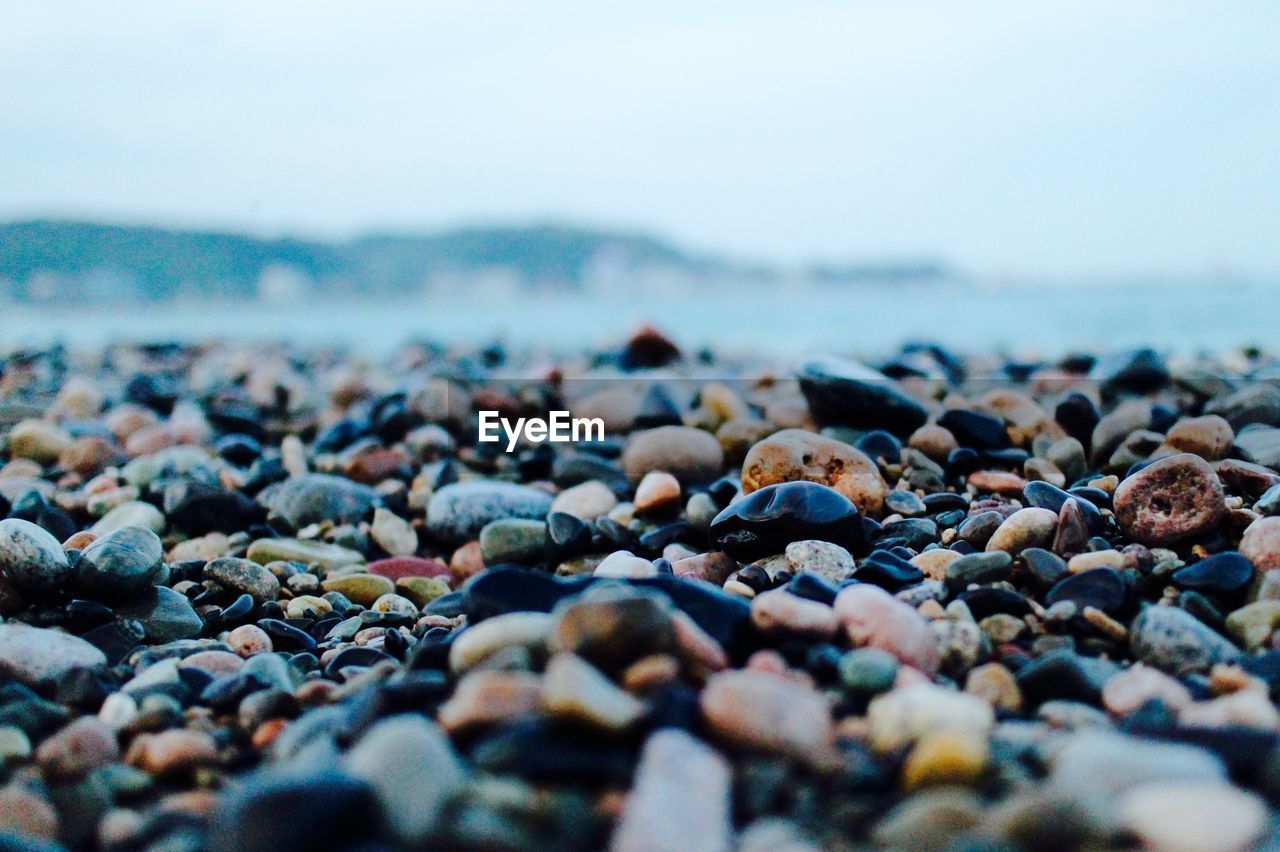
[
  {"x": 796, "y": 454},
  {"x": 458, "y": 512},
  {"x": 1170, "y": 500},
  {"x": 245, "y": 576},
  {"x": 1175, "y": 641}
]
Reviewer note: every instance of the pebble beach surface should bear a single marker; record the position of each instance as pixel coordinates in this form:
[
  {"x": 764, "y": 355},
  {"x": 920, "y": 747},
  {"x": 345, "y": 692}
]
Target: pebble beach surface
[{"x": 273, "y": 598}]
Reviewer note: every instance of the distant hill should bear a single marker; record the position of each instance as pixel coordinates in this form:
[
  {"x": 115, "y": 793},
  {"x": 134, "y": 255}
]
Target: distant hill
[{"x": 44, "y": 260}]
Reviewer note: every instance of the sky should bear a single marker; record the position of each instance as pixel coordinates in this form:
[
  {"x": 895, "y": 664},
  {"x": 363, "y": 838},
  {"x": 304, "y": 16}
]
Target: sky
[{"x": 1018, "y": 138}]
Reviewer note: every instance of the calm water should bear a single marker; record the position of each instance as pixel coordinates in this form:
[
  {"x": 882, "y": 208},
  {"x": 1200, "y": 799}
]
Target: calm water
[{"x": 1186, "y": 318}]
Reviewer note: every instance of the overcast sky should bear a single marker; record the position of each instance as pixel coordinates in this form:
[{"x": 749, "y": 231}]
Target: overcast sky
[{"x": 1051, "y": 138}]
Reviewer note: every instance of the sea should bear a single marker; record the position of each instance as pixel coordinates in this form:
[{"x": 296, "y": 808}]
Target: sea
[{"x": 1188, "y": 317}]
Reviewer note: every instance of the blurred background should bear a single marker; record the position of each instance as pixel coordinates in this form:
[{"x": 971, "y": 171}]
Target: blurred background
[{"x": 1029, "y": 176}]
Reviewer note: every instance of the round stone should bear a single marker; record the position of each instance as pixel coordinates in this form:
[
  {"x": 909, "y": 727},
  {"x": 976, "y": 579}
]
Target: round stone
[
  {"x": 586, "y": 501},
  {"x": 846, "y": 393},
  {"x": 1170, "y": 500},
  {"x": 657, "y": 492},
  {"x": 1101, "y": 588},
  {"x": 360, "y": 588},
  {"x": 1209, "y": 437},
  {"x": 31, "y": 558},
  {"x": 457, "y": 512},
  {"x": 119, "y": 565},
  {"x": 513, "y": 540},
  {"x": 795, "y": 454},
  {"x": 1261, "y": 543},
  {"x": 766, "y": 521},
  {"x": 823, "y": 559},
  {"x": 691, "y": 455},
  {"x": 393, "y": 533},
  {"x": 40, "y": 657},
  {"x": 318, "y": 497},
  {"x": 1223, "y": 573},
  {"x": 244, "y": 576},
  {"x": 874, "y": 618},
  {"x": 1189, "y": 816},
  {"x": 1030, "y": 527},
  {"x": 1175, "y": 641}
]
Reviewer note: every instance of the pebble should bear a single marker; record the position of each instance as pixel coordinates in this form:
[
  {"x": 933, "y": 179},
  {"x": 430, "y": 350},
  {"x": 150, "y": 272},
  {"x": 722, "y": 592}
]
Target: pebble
[
  {"x": 165, "y": 615},
  {"x": 243, "y": 576},
  {"x": 874, "y": 618},
  {"x": 172, "y": 752},
  {"x": 37, "y": 440},
  {"x": 1260, "y": 543},
  {"x": 1170, "y": 500},
  {"x": 829, "y": 561},
  {"x": 612, "y": 627},
  {"x": 1175, "y": 641},
  {"x": 843, "y": 392},
  {"x": 868, "y": 671},
  {"x": 329, "y": 556},
  {"x": 657, "y": 492},
  {"x": 980, "y": 568},
  {"x": 1129, "y": 690},
  {"x": 1209, "y": 437},
  {"x": 1260, "y": 445},
  {"x": 513, "y": 540},
  {"x": 587, "y": 501},
  {"x": 573, "y": 689},
  {"x": 795, "y": 454},
  {"x": 483, "y": 640},
  {"x": 908, "y": 713},
  {"x": 483, "y": 698},
  {"x": 248, "y": 640},
  {"x": 80, "y": 747},
  {"x": 1105, "y": 763},
  {"x": 1030, "y": 527},
  {"x": 764, "y": 522},
  {"x": 134, "y": 513},
  {"x": 30, "y": 817},
  {"x": 944, "y": 758},
  {"x": 432, "y": 656},
  {"x": 41, "y": 657},
  {"x": 360, "y": 588},
  {"x": 1193, "y": 816},
  {"x": 393, "y": 533},
  {"x": 623, "y": 564},
  {"x": 690, "y": 455},
  {"x": 766, "y": 712},
  {"x": 120, "y": 564},
  {"x": 1096, "y": 560},
  {"x": 413, "y": 771},
  {"x": 934, "y": 441},
  {"x": 996, "y": 685},
  {"x": 1102, "y": 588},
  {"x": 780, "y": 612},
  {"x": 1252, "y": 624},
  {"x": 459, "y": 511},
  {"x": 318, "y": 497},
  {"x": 1225, "y": 573},
  {"x": 31, "y": 558},
  {"x": 680, "y": 800}
]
